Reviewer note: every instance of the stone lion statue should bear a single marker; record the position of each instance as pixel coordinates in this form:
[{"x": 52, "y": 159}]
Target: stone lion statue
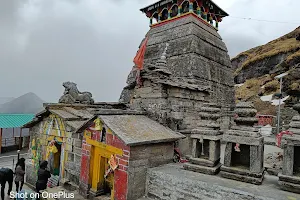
[{"x": 73, "y": 95}]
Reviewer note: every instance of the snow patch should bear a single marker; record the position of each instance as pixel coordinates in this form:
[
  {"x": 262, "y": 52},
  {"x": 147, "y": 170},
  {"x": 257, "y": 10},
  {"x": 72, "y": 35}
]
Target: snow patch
[
  {"x": 239, "y": 85},
  {"x": 275, "y": 102},
  {"x": 267, "y": 98}
]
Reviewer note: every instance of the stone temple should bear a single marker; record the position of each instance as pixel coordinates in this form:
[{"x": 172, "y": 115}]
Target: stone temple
[
  {"x": 244, "y": 153},
  {"x": 179, "y": 94},
  {"x": 289, "y": 179},
  {"x": 186, "y": 64}
]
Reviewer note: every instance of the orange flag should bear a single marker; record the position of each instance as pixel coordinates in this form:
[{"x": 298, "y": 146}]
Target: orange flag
[{"x": 139, "y": 58}]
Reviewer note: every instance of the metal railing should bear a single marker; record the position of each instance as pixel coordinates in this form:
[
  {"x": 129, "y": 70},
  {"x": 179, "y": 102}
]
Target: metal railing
[
  {"x": 10, "y": 161},
  {"x": 7, "y": 142}
]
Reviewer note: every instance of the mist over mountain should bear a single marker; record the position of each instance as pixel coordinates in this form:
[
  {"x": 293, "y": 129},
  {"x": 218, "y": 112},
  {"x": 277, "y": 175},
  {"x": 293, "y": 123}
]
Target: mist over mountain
[
  {"x": 27, "y": 103},
  {"x": 5, "y": 100}
]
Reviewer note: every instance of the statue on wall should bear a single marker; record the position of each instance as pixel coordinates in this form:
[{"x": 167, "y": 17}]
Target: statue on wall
[{"x": 73, "y": 95}]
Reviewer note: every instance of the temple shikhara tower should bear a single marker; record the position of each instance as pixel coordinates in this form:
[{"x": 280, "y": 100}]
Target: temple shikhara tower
[{"x": 185, "y": 64}]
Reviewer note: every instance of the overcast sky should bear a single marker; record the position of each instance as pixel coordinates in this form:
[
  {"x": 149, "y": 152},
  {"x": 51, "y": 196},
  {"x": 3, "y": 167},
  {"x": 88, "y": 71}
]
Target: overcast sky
[{"x": 93, "y": 42}]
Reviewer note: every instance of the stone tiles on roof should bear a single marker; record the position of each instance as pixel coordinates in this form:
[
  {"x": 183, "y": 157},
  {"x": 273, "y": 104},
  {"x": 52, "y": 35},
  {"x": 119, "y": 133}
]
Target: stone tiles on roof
[{"x": 137, "y": 130}]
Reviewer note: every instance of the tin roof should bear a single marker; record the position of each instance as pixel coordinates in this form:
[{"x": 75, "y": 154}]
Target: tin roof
[
  {"x": 137, "y": 129},
  {"x": 14, "y": 120}
]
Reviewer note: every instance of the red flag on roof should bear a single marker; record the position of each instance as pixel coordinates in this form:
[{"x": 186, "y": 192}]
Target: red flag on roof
[{"x": 139, "y": 58}]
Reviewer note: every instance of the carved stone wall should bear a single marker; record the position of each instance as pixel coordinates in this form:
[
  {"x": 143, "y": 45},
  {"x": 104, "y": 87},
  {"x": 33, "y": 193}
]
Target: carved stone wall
[{"x": 197, "y": 70}]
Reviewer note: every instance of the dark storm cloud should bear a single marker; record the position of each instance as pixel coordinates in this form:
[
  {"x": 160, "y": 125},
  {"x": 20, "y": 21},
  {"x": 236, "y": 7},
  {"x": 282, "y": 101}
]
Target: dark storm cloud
[{"x": 90, "y": 42}]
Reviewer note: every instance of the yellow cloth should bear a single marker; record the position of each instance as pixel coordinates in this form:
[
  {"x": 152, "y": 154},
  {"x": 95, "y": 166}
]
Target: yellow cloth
[
  {"x": 51, "y": 149},
  {"x": 98, "y": 126}
]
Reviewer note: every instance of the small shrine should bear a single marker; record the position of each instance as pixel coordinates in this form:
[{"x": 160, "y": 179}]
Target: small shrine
[
  {"x": 206, "y": 142},
  {"x": 244, "y": 152},
  {"x": 289, "y": 179},
  {"x": 167, "y": 10}
]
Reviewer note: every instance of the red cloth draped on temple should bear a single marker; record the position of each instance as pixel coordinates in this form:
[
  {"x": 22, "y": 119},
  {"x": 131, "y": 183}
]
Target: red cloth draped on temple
[{"x": 139, "y": 60}]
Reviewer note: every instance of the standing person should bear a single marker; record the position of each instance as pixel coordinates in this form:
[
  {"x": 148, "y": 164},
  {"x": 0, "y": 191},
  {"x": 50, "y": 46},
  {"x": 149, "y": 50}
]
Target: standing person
[
  {"x": 43, "y": 176},
  {"x": 20, "y": 173},
  {"x": 6, "y": 175}
]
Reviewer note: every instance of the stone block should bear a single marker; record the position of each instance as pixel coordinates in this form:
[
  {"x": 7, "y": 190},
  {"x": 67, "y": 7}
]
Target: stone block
[
  {"x": 75, "y": 135},
  {"x": 256, "y": 158},
  {"x": 78, "y": 158},
  {"x": 238, "y": 177},
  {"x": 227, "y": 154},
  {"x": 77, "y": 150},
  {"x": 77, "y": 143},
  {"x": 136, "y": 182},
  {"x": 291, "y": 187},
  {"x": 203, "y": 162},
  {"x": 243, "y": 172},
  {"x": 207, "y": 137},
  {"x": 243, "y": 140},
  {"x": 291, "y": 179},
  {"x": 71, "y": 157},
  {"x": 214, "y": 150},
  {"x": 202, "y": 169},
  {"x": 196, "y": 148},
  {"x": 288, "y": 160}
]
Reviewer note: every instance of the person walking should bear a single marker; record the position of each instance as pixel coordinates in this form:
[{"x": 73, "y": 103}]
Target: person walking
[
  {"x": 6, "y": 175},
  {"x": 19, "y": 174},
  {"x": 43, "y": 176}
]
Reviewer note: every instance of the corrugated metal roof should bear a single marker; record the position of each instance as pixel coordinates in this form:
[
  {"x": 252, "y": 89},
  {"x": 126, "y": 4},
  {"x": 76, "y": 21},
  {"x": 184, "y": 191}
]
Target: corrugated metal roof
[
  {"x": 14, "y": 120},
  {"x": 137, "y": 129}
]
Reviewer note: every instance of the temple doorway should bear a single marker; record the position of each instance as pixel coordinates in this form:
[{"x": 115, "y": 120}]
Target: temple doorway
[
  {"x": 241, "y": 158},
  {"x": 101, "y": 183},
  {"x": 296, "y": 167},
  {"x": 55, "y": 158}
]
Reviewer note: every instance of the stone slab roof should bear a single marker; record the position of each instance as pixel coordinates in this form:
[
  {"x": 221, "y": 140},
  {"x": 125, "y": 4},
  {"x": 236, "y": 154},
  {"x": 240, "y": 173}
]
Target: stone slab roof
[
  {"x": 73, "y": 115},
  {"x": 76, "y": 124},
  {"x": 136, "y": 130}
]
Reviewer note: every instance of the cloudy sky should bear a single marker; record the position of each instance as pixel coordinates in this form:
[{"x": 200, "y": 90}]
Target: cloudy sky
[{"x": 92, "y": 42}]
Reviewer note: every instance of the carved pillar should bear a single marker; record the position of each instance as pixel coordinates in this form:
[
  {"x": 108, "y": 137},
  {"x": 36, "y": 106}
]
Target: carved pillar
[
  {"x": 179, "y": 10},
  {"x": 199, "y": 11},
  {"x": 191, "y": 7}
]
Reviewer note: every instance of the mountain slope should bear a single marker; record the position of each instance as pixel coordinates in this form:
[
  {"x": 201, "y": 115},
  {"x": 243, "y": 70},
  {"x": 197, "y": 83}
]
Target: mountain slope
[
  {"x": 5, "y": 100},
  {"x": 27, "y": 103},
  {"x": 276, "y": 56},
  {"x": 257, "y": 67}
]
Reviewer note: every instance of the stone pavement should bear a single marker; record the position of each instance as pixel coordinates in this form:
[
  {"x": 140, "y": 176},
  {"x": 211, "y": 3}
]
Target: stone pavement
[
  {"x": 14, "y": 189},
  {"x": 172, "y": 182}
]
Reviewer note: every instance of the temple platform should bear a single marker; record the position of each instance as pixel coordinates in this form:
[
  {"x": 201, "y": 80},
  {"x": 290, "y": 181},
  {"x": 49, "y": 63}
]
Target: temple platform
[{"x": 173, "y": 182}]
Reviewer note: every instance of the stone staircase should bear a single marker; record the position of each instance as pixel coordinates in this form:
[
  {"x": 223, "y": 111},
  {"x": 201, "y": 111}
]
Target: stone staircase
[{"x": 172, "y": 182}]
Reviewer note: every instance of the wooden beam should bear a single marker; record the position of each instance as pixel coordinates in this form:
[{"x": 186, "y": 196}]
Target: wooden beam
[{"x": 104, "y": 146}]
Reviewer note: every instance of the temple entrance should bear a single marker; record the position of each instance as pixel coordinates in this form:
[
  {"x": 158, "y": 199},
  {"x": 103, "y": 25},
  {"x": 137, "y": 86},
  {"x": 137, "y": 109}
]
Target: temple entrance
[
  {"x": 296, "y": 167},
  {"x": 54, "y": 158},
  {"x": 102, "y": 182},
  {"x": 98, "y": 167},
  {"x": 241, "y": 159}
]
